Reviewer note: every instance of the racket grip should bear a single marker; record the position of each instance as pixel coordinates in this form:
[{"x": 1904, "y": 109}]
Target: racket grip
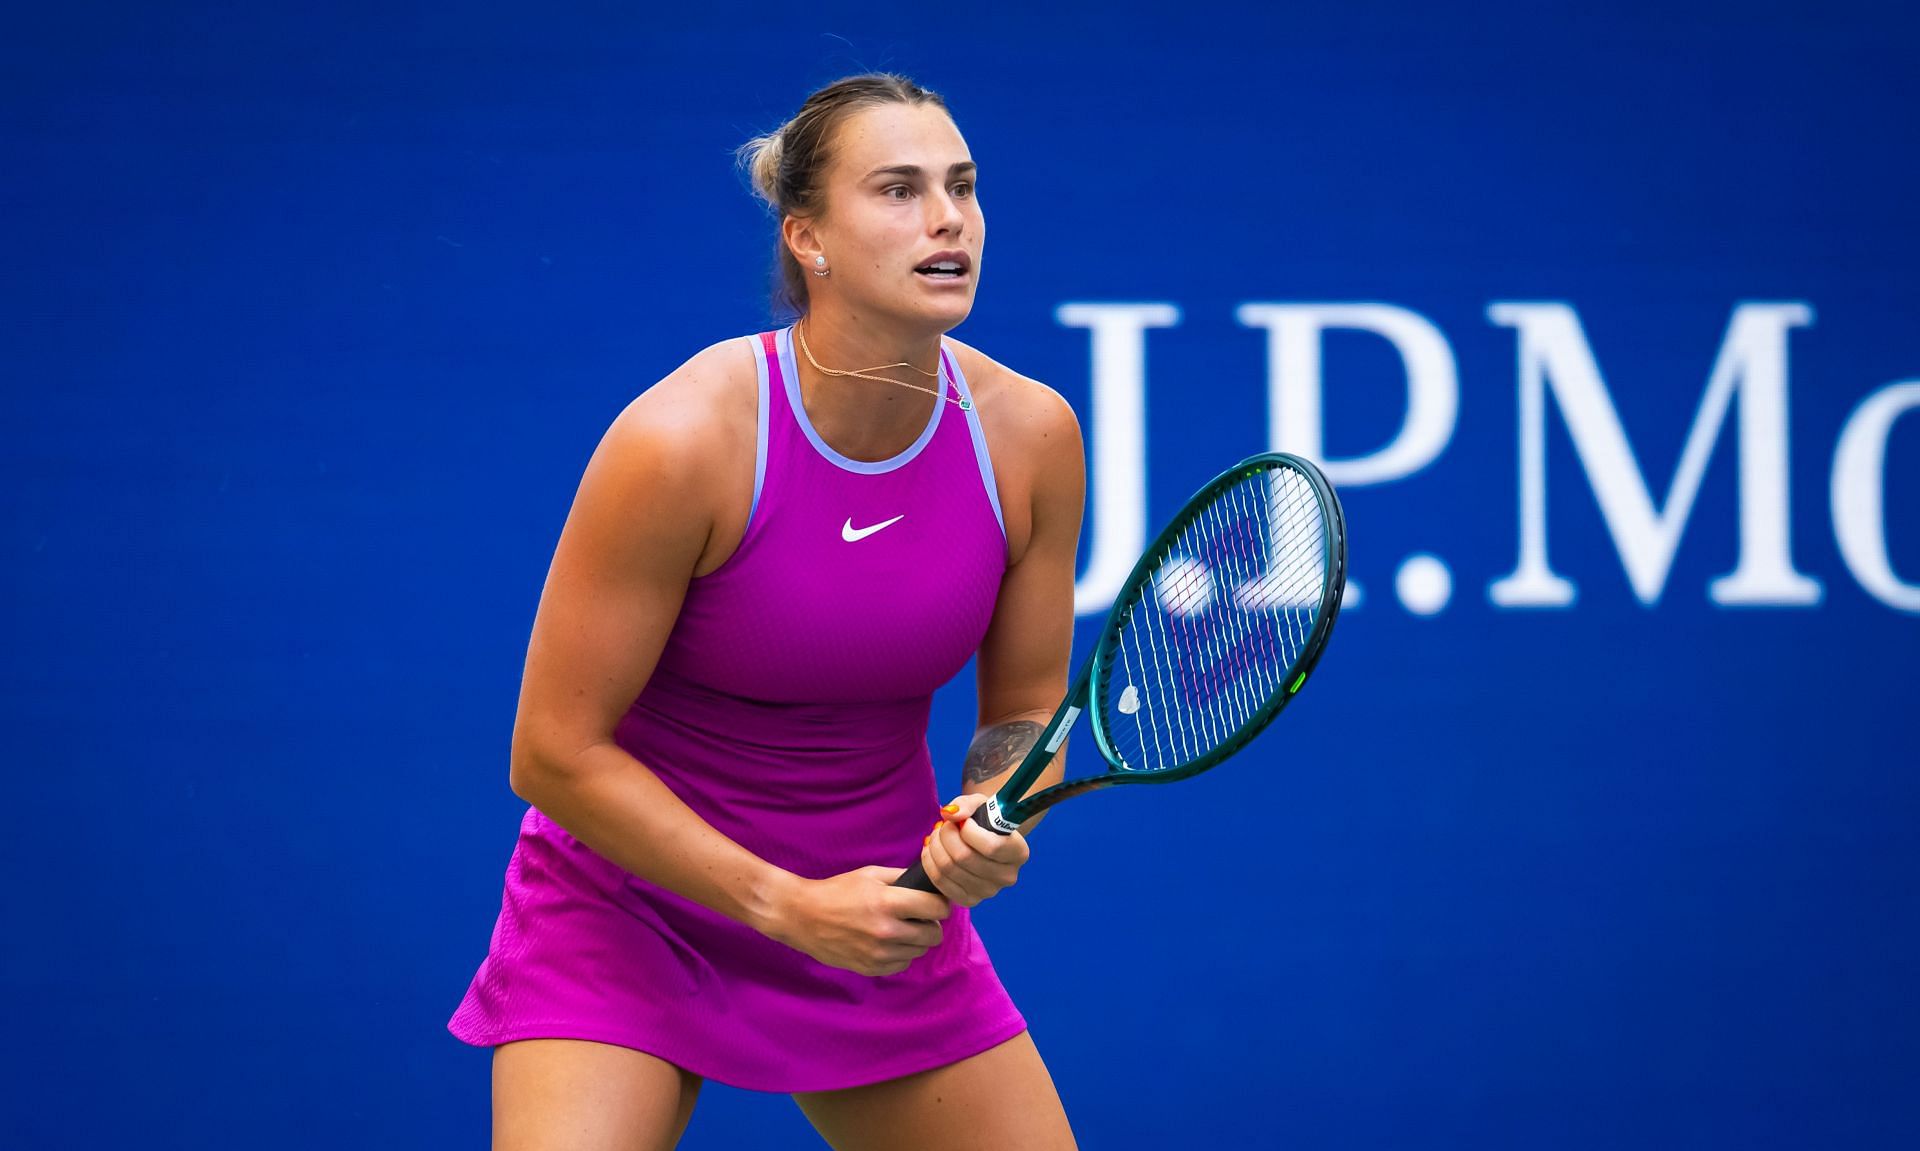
[
  {"x": 916, "y": 878},
  {"x": 987, "y": 815}
]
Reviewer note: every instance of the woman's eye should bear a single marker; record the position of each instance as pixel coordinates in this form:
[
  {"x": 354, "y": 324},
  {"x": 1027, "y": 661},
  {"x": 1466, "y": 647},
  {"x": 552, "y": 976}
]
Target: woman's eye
[
  {"x": 963, "y": 190},
  {"x": 901, "y": 189}
]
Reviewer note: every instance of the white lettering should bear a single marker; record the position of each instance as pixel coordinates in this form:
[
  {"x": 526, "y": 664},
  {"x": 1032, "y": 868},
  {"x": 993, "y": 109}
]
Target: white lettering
[
  {"x": 1119, "y": 448},
  {"x": 1294, "y": 421},
  {"x": 1554, "y": 354},
  {"x": 1859, "y": 511}
]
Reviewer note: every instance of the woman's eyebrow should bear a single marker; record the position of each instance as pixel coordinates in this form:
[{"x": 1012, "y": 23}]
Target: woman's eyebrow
[{"x": 967, "y": 167}]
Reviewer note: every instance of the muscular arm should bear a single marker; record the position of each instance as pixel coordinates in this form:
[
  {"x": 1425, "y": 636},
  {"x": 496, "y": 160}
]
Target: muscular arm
[
  {"x": 639, "y": 524},
  {"x": 1023, "y": 664}
]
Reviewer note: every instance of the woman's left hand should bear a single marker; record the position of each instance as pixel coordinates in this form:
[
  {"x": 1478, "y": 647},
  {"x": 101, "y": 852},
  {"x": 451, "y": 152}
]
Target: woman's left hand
[{"x": 967, "y": 862}]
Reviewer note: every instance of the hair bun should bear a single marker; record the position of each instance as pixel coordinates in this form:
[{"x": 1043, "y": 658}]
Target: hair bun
[{"x": 761, "y": 157}]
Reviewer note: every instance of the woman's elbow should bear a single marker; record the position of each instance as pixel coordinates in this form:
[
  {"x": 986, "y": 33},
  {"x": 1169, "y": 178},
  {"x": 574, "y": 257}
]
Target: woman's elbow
[{"x": 533, "y": 769}]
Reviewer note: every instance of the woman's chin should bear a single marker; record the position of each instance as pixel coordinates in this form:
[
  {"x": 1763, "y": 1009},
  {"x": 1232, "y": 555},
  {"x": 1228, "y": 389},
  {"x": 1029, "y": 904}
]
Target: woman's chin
[
  {"x": 950, "y": 311},
  {"x": 931, "y": 312}
]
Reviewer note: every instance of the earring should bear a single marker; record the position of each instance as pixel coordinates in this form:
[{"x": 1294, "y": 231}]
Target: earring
[{"x": 820, "y": 265}]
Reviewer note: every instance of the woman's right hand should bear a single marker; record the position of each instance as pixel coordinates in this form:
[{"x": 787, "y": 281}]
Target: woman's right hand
[{"x": 859, "y": 921}]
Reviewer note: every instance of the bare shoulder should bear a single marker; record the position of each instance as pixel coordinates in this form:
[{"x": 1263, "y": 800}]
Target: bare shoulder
[
  {"x": 1033, "y": 438},
  {"x": 680, "y": 454},
  {"x": 689, "y": 426},
  {"x": 1017, "y": 410},
  {"x": 697, "y": 406}
]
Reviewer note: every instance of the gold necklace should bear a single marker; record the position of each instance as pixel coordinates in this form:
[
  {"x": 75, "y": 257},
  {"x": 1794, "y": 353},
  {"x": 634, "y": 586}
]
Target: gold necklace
[{"x": 966, "y": 405}]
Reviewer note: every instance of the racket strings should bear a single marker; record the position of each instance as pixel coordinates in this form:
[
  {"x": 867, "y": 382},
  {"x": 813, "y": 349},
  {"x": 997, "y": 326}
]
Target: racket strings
[{"x": 1219, "y": 623}]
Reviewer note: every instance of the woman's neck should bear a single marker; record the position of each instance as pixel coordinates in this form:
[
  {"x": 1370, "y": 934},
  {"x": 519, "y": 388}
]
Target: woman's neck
[
  {"x": 862, "y": 418},
  {"x": 855, "y": 343}
]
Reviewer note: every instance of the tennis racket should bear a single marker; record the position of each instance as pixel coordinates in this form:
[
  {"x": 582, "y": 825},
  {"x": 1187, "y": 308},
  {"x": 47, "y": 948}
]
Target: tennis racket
[{"x": 1216, "y": 630}]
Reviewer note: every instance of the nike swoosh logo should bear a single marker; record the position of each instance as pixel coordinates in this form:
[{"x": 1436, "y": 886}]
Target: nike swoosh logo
[{"x": 853, "y": 534}]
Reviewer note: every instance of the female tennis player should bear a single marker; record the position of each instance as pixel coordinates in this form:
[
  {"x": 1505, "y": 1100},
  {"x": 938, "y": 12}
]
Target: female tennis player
[{"x": 775, "y": 556}]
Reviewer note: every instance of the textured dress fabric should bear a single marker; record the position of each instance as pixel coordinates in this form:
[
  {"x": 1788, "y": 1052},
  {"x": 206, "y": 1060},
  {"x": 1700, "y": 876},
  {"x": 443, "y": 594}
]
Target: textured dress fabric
[{"x": 789, "y": 710}]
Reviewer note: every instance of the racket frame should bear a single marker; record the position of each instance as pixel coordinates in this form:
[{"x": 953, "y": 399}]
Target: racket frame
[{"x": 1009, "y": 807}]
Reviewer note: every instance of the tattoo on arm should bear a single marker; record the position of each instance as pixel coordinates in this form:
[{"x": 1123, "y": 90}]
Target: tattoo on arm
[{"x": 998, "y": 748}]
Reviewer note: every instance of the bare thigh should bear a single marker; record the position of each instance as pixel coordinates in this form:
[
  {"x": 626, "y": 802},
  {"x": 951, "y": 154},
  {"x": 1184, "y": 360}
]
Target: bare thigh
[
  {"x": 574, "y": 1095},
  {"x": 1001, "y": 1098}
]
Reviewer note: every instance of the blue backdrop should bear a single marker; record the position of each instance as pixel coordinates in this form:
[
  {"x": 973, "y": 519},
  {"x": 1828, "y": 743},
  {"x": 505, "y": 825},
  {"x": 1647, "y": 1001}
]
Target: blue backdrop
[{"x": 312, "y": 319}]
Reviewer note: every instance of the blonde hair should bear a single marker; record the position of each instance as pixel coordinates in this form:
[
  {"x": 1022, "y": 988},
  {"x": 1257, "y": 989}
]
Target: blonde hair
[{"x": 788, "y": 165}]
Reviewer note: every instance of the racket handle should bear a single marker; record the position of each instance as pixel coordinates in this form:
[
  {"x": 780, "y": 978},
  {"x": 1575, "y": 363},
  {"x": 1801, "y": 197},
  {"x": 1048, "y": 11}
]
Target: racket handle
[
  {"x": 916, "y": 878},
  {"x": 987, "y": 815}
]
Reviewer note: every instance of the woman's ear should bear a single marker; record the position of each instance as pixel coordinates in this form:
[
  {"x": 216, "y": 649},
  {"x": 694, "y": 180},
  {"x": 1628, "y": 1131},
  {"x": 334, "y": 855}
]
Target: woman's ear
[{"x": 801, "y": 239}]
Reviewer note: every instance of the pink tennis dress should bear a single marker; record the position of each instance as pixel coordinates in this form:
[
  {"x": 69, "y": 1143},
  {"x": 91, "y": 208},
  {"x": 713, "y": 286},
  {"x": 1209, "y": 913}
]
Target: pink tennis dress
[{"x": 789, "y": 710}]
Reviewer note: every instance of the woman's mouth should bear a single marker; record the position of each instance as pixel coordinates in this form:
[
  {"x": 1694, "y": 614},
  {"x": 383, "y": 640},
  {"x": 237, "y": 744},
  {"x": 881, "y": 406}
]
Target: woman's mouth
[{"x": 945, "y": 266}]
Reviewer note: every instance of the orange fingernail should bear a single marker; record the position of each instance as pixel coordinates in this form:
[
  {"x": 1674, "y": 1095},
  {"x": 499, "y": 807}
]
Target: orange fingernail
[
  {"x": 950, "y": 809},
  {"x": 926, "y": 839}
]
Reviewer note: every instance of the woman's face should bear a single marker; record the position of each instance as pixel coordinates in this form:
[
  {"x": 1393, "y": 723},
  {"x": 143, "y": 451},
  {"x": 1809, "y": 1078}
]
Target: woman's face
[{"x": 902, "y": 231}]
